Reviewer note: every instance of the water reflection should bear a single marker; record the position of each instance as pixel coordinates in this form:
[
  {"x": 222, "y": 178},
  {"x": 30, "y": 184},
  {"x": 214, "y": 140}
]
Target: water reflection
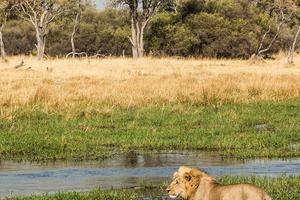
[
  {"x": 134, "y": 159},
  {"x": 126, "y": 171}
]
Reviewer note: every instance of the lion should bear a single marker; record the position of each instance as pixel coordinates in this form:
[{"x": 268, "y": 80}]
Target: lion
[{"x": 194, "y": 184}]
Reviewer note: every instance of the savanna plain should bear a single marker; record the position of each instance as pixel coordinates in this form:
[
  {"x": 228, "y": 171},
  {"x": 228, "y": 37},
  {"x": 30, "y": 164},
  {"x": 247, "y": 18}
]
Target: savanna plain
[{"x": 88, "y": 109}]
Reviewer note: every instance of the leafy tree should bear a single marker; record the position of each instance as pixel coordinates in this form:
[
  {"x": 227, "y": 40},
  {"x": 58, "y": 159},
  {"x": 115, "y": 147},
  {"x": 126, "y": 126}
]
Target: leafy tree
[
  {"x": 168, "y": 36},
  {"x": 101, "y": 32},
  {"x": 5, "y": 10},
  {"x": 212, "y": 28},
  {"x": 168, "y": 6},
  {"x": 19, "y": 37},
  {"x": 189, "y": 7}
]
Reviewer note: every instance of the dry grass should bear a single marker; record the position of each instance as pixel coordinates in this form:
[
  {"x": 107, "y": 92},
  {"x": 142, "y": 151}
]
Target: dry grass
[{"x": 130, "y": 82}]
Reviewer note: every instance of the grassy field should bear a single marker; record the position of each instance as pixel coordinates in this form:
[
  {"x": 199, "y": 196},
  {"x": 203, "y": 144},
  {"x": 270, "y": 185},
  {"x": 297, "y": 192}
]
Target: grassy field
[
  {"x": 85, "y": 109},
  {"x": 58, "y": 83},
  {"x": 80, "y": 109},
  {"x": 284, "y": 188},
  {"x": 39, "y": 134}
]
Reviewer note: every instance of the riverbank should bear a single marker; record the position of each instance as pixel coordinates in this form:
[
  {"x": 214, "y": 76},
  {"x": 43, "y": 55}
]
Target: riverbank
[
  {"x": 263, "y": 129},
  {"x": 283, "y": 188}
]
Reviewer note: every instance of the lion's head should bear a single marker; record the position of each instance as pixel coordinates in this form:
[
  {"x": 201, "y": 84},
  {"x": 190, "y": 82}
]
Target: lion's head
[{"x": 185, "y": 182}]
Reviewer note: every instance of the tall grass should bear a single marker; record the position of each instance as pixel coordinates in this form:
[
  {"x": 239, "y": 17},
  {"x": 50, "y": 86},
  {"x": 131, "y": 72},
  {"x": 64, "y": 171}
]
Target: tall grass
[{"x": 59, "y": 83}]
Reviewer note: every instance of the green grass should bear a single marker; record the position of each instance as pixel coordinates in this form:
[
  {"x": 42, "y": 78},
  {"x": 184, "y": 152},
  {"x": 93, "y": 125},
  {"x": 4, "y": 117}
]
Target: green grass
[
  {"x": 37, "y": 133},
  {"x": 283, "y": 188}
]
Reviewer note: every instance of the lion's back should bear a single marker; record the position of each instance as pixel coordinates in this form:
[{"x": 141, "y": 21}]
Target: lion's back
[{"x": 239, "y": 192}]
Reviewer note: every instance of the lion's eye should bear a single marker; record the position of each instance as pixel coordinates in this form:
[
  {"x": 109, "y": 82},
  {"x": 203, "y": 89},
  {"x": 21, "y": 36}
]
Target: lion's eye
[{"x": 176, "y": 182}]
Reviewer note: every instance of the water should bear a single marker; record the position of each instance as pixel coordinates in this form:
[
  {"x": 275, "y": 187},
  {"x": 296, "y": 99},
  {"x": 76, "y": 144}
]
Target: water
[{"x": 127, "y": 171}]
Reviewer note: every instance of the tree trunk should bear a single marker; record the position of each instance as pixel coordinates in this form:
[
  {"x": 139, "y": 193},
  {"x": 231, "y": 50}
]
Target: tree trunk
[
  {"x": 40, "y": 37},
  {"x": 134, "y": 43},
  {"x": 139, "y": 21},
  {"x": 3, "y": 54},
  {"x": 292, "y": 49},
  {"x": 73, "y": 45},
  {"x": 76, "y": 22},
  {"x": 137, "y": 39},
  {"x": 2, "y": 49}
]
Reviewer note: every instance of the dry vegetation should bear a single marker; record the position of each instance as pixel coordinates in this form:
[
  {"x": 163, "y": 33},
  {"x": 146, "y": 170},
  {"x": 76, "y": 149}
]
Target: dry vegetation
[{"x": 127, "y": 82}]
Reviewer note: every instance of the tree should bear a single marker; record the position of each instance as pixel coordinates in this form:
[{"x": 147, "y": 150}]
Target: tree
[
  {"x": 168, "y": 36},
  {"x": 188, "y": 7},
  {"x": 141, "y": 12},
  {"x": 79, "y": 7},
  {"x": 296, "y": 36},
  {"x": 101, "y": 32},
  {"x": 292, "y": 48},
  {"x": 218, "y": 36},
  {"x": 5, "y": 8},
  {"x": 41, "y": 13},
  {"x": 282, "y": 12},
  {"x": 169, "y": 6}
]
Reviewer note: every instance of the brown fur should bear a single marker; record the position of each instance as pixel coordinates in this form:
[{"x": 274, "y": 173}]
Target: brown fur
[{"x": 194, "y": 184}]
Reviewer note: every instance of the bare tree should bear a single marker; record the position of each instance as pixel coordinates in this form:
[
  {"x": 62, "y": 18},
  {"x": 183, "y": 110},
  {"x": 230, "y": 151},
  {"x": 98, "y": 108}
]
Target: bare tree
[
  {"x": 141, "y": 12},
  {"x": 75, "y": 30},
  {"x": 41, "y": 13},
  {"x": 292, "y": 48},
  {"x": 79, "y": 6},
  {"x": 262, "y": 49},
  {"x": 282, "y": 12},
  {"x": 296, "y": 36}
]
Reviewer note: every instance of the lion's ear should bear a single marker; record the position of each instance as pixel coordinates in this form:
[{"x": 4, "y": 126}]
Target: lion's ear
[
  {"x": 196, "y": 178},
  {"x": 187, "y": 176},
  {"x": 195, "y": 173}
]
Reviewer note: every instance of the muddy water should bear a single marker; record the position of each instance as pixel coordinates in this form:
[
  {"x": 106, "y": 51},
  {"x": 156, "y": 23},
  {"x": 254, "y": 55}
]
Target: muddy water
[{"x": 126, "y": 171}]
